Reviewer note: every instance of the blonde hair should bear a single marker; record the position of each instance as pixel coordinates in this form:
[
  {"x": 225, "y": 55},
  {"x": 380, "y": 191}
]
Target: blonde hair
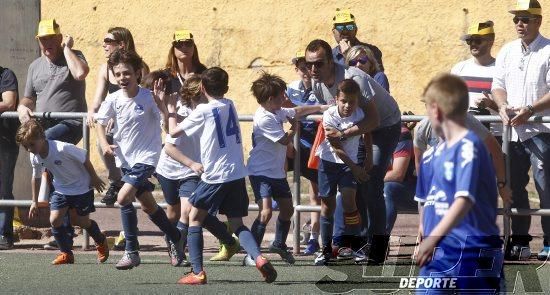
[
  {"x": 29, "y": 131},
  {"x": 354, "y": 52},
  {"x": 190, "y": 90},
  {"x": 449, "y": 93}
]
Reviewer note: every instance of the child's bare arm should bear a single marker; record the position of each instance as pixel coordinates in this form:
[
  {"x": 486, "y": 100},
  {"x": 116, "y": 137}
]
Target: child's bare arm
[
  {"x": 289, "y": 135},
  {"x": 95, "y": 181},
  {"x": 307, "y": 110},
  {"x": 108, "y": 149},
  {"x": 454, "y": 216},
  {"x": 358, "y": 172},
  {"x": 175, "y": 154},
  {"x": 35, "y": 187}
]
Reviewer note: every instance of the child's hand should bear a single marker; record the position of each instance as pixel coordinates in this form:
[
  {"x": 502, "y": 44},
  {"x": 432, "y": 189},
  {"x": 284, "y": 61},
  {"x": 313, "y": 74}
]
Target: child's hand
[
  {"x": 34, "y": 210},
  {"x": 425, "y": 250},
  {"x": 159, "y": 91},
  {"x": 97, "y": 183},
  {"x": 506, "y": 195},
  {"x": 360, "y": 174},
  {"x": 197, "y": 167},
  {"x": 171, "y": 102},
  {"x": 109, "y": 150}
]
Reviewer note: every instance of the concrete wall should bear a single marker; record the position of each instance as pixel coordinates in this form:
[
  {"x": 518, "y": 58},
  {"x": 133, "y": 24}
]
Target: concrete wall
[
  {"x": 418, "y": 38},
  {"x": 18, "y": 49}
]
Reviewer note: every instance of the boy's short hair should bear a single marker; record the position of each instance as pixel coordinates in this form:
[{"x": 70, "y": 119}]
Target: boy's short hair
[
  {"x": 191, "y": 89},
  {"x": 215, "y": 81},
  {"x": 268, "y": 85},
  {"x": 127, "y": 57},
  {"x": 149, "y": 80},
  {"x": 28, "y": 131},
  {"x": 450, "y": 93},
  {"x": 348, "y": 86}
]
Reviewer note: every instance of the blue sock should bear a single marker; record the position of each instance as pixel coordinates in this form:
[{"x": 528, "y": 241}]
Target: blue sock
[
  {"x": 281, "y": 232},
  {"x": 161, "y": 220},
  {"x": 218, "y": 229},
  {"x": 326, "y": 224},
  {"x": 61, "y": 237},
  {"x": 128, "y": 216},
  {"x": 183, "y": 228},
  {"x": 258, "y": 230},
  {"x": 248, "y": 242},
  {"x": 69, "y": 229},
  {"x": 95, "y": 233},
  {"x": 196, "y": 244}
]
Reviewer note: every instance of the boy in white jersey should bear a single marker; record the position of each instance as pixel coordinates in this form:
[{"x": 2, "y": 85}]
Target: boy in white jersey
[
  {"x": 267, "y": 159},
  {"x": 338, "y": 168},
  {"x": 73, "y": 194},
  {"x": 222, "y": 185},
  {"x": 137, "y": 146}
]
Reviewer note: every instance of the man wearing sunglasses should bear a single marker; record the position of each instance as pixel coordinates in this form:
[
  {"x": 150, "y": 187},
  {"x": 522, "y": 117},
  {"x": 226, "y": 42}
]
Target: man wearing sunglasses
[
  {"x": 521, "y": 89},
  {"x": 345, "y": 31},
  {"x": 382, "y": 119},
  {"x": 477, "y": 71}
]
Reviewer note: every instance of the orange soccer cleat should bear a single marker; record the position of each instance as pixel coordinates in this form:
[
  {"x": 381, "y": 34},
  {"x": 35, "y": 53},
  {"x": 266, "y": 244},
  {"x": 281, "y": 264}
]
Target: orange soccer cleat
[
  {"x": 63, "y": 258},
  {"x": 102, "y": 251},
  {"x": 193, "y": 279}
]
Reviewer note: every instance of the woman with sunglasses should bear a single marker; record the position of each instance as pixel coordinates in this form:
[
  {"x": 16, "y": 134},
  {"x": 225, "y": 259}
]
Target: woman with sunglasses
[
  {"x": 116, "y": 38},
  {"x": 183, "y": 59},
  {"x": 362, "y": 57}
]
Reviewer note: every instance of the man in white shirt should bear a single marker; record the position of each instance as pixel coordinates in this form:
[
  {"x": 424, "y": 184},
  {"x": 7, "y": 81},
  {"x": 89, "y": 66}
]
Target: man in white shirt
[{"x": 521, "y": 87}]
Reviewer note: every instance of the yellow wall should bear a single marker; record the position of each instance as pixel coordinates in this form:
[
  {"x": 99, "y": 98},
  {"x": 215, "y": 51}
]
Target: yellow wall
[{"x": 418, "y": 38}]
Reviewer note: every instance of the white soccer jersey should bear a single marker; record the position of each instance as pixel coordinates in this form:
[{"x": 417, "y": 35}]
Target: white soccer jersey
[
  {"x": 217, "y": 124},
  {"x": 189, "y": 146},
  {"x": 137, "y": 131},
  {"x": 66, "y": 163},
  {"x": 267, "y": 157},
  {"x": 332, "y": 118}
]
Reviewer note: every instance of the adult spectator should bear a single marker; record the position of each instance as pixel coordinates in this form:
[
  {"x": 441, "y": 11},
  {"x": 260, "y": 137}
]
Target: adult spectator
[
  {"x": 477, "y": 71},
  {"x": 183, "y": 59},
  {"x": 116, "y": 38},
  {"x": 55, "y": 83},
  {"x": 362, "y": 57},
  {"x": 521, "y": 89},
  {"x": 9, "y": 150},
  {"x": 344, "y": 30},
  {"x": 382, "y": 119}
]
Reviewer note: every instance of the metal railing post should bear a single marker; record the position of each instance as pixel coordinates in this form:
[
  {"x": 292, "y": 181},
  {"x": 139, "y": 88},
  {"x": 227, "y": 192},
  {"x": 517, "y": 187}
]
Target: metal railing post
[
  {"x": 506, "y": 218},
  {"x": 86, "y": 146},
  {"x": 297, "y": 193}
]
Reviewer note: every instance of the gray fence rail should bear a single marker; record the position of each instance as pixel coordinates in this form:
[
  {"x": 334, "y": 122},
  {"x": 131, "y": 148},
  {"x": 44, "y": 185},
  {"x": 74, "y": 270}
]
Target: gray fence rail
[{"x": 298, "y": 208}]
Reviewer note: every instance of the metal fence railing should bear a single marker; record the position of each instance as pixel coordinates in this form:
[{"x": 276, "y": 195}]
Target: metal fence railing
[{"x": 298, "y": 208}]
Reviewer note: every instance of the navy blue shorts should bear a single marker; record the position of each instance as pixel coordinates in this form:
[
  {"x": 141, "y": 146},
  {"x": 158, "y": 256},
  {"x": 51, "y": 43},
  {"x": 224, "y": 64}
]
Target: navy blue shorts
[
  {"x": 138, "y": 176},
  {"x": 264, "y": 187},
  {"x": 84, "y": 203},
  {"x": 174, "y": 189},
  {"x": 229, "y": 198},
  {"x": 334, "y": 176}
]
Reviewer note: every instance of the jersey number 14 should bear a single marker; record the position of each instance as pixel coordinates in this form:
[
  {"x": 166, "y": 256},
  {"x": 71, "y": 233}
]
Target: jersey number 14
[{"x": 232, "y": 127}]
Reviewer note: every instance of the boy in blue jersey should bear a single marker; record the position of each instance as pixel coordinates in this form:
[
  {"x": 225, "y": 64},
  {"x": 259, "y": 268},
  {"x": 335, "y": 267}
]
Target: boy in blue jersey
[
  {"x": 458, "y": 189},
  {"x": 222, "y": 187}
]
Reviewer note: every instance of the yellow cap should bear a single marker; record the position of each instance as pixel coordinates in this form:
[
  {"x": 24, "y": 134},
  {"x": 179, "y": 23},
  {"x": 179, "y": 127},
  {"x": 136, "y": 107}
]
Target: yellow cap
[
  {"x": 182, "y": 35},
  {"x": 480, "y": 29},
  {"x": 48, "y": 27},
  {"x": 299, "y": 54},
  {"x": 527, "y": 6},
  {"x": 343, "y": 16}
]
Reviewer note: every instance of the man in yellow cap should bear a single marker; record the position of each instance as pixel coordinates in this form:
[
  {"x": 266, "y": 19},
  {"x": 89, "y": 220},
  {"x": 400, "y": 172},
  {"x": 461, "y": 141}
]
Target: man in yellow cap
[
  {"x": 55, "y": 83},
  {"x": 521, "y": 89},
  {"x": 344, "y": 30},
  {"x": 477, "y": 71}
]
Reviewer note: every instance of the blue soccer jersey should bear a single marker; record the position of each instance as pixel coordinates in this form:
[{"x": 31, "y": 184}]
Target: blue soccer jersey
[{"x": 464, "y": 169}]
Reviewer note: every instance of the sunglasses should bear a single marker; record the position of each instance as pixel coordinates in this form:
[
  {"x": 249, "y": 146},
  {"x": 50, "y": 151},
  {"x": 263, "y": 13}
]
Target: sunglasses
[
  {"x": 474, "y": 41},
  {"x": 317, "y": 64},
  {"x": 361, "y": 60},
  {"x": 524, "y": 19},
  {"x": 349, "y": 27},
  {"x": 181, "y": 44},
  {"x": 109, "y": 40}
]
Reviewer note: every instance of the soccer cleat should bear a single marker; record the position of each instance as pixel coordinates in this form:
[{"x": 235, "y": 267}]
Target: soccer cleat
[
  {"x": 311, "y": 248},
  {"x": 120, "y": 242},
  {"x": 5, "y": 243},
  {"x": 177, "y": 256},
  {"x": 360, "y": 256},
  {"x": 193, "y": 279},
  {"x": 102, "y": 251},
  {"x": 344, "y": 253},
  {"x": 324, "y": 256},
  {"x": 227, "y": 251},
  {"x": 266, "y": 269},
  {"x": 283, "y": 252},
  {"x": 248, "y": 261},
  {"x": 518, "y": 253},
  {"x": 128, "y": 261},
  {"x": 63, "y": 258},
  {"x": 543, "y": 254},
  {"x": 51, "y": 245},
  {"x": 111, "y": 194}
]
